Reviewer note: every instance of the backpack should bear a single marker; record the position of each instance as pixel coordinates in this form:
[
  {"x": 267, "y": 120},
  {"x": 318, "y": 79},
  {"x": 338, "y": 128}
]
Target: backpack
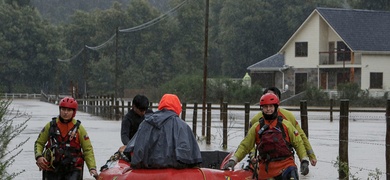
[
  {"x": 271, "y": 143},
  {"x": 64, "y": 154}
]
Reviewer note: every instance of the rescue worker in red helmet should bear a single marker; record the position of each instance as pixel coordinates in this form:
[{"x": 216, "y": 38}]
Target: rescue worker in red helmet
[
  {"x": 291, "y": 118},
  {"x": 275, "y": 139},
  {"x": 63, "y": 145}
]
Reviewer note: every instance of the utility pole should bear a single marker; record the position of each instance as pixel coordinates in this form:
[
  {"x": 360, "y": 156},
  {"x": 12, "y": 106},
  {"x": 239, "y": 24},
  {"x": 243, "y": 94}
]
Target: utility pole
[
  {"x": 206, "y": 32},
  {"x": 85, "y": 70},
  {"x": 116, "y": 64}
]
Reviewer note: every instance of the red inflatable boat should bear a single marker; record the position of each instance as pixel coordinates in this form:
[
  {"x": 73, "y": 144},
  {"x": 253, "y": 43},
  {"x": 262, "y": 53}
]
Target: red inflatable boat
[{"x": 118, "y": 169}]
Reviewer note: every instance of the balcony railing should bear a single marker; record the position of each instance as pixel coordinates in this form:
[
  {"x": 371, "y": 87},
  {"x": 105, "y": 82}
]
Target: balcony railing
[{"x": 339, "y": 57}]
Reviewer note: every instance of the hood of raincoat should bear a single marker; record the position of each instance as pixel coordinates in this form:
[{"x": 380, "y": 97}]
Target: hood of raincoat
[
  {"x": 170, "y": 102},
  {"x": 159, "y": 118}
]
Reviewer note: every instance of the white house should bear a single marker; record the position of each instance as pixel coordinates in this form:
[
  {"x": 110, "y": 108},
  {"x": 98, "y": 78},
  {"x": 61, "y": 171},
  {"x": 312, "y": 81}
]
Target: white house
[{"x": 332, "y": 46}]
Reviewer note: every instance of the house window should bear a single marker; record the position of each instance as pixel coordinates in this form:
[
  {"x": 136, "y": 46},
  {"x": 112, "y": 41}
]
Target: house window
[
  {"x": 343, "y": 52},
  {"x": 301, "y": 49},
  {"x": 376, "y": 80}
]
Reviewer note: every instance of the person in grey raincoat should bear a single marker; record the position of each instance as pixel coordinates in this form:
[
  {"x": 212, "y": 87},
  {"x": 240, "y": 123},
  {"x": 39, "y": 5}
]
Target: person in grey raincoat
[{"x": 163, "y": 140}]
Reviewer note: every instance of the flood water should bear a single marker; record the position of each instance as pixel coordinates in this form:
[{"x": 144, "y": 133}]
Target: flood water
[{"x": 367, "y": 132}]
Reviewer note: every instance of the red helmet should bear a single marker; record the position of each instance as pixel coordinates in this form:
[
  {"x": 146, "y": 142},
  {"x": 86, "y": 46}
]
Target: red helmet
[
  {"x": 269, "y": 98},
  {"x": 69, "y": 102}
]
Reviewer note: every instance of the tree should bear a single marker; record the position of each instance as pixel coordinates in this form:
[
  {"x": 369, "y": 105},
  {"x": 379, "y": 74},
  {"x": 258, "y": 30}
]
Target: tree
[
  {"x": 371, "y": 5},
  {"x": 189, "y": 47},
  {"x": 28, "y": 50},
  {"x": 8, "y": 131},
  {"x": 146, "y": 50}
]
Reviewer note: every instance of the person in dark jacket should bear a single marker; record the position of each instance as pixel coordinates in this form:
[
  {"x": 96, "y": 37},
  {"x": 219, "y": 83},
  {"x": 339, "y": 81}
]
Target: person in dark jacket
[
  {"x": 163, "y": 140},
  {"x": 134, "y": 117}
]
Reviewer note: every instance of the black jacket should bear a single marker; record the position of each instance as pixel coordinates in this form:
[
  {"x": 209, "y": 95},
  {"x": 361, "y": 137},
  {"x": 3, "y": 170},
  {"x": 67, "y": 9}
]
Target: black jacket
[{"x": 130, "y": 124}]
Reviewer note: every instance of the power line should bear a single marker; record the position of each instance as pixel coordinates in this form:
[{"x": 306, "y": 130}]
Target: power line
[
  {"x": 154, "y": 21},
  {"x": 72, "y": 58},
  {"x": 133, "y": 29},
  {"x": 102, "y": 45}
]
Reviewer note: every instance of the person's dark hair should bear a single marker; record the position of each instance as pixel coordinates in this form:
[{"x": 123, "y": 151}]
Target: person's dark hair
[
  {"x": 141, "y": 102},
  {"x": 274, "y": 89}
]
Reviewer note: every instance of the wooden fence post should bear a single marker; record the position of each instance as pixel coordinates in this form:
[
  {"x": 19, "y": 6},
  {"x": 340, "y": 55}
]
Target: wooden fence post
[
  {"x": 331, "y": 110},
  {"x": 117, "y": 115},
  {"x": 195, "y": 118},
  {"x": 246, "y": 122},
  {"x": 225, "y": 124},
  {"x": 208, "y": 133},
  {"x": 112, "y": 108},
  {"x": 343, "y": 144},
  {"x": 183, "y": 111},
  {"x": 123, "y": 108},
  {"x": 304, "y": 123}
]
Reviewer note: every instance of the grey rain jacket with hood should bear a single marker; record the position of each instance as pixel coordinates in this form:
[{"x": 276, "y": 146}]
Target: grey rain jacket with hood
[{"x": 163, "y": 140}]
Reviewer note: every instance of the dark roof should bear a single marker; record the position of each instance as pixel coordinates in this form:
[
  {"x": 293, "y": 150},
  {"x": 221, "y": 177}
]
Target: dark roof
[
  {"x": 273, "y": 62},
  {"x": 362, "y": 30}
]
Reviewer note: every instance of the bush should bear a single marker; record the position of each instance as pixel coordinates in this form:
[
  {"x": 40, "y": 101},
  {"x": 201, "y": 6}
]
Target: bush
[
  {"x": 189, "y": 88},
  {"x": 316, "y": 97},
  {"x": 349, "y": 91},
  {"x": 8, "y": 132}
]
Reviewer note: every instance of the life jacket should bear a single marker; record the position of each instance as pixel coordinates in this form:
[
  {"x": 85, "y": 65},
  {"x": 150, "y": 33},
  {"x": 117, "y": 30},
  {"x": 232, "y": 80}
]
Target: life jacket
[
  {"x": 65, "y": 153},
  {"x": 272, "y": 143}
]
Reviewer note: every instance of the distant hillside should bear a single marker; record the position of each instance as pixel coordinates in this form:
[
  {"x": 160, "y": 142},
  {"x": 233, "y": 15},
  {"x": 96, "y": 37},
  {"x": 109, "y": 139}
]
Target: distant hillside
[{"x": 57, "y": 11}]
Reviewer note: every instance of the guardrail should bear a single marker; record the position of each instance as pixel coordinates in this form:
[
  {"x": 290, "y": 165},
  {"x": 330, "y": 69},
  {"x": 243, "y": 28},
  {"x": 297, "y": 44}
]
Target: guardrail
[{"x": 20, "y": 96}]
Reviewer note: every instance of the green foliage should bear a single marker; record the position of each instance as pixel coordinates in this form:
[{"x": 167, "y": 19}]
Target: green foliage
[
  {"x": 99, "y": 84},
  {"x": 344, "y": 168},
  {"x": 187, "y": 87},
  {"x": 29, "y": 47},
  {"x": 375, "y": 175},
  {"x": 240, "y": 34},
  {"x": 8, "y": 131},
  {"x": 242, "y": 39},
  {"x": 316, "y": 97},
  {"x": 348, "y": 91},
  {"x": 188, "y": 48},
  {"x": 356, "y": 97},
  {"x": 233, "y": 92},
  {"x": 368, "y": 4}
]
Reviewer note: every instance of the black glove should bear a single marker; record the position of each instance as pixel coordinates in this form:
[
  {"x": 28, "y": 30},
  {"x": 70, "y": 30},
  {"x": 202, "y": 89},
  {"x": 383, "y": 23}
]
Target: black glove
[
  {"x": 305, "y": 167},
  {"x": 229, "y": 165}
]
